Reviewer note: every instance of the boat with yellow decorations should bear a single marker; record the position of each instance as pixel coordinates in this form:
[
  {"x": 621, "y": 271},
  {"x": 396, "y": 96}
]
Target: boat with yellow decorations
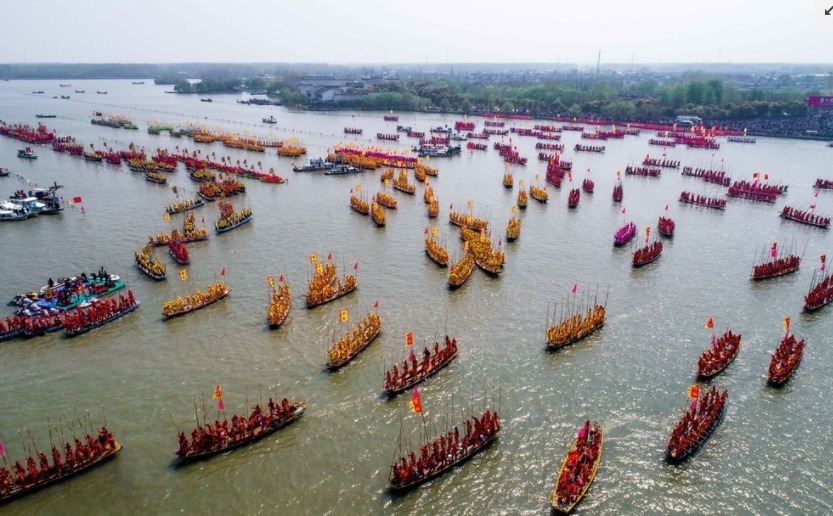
[
  {"x": 148, "y": 264},
  {"x": 508, "y": 180},
  {"x": 155, "y": 177},
  {"x": 291, "y": 150},
  {"x": 428, "y": 171},
  {"x": 491, "y": 261},
  {"x": 279, "y": 306},
  {"x": 578, "y": 469},
  {"x": 386, "y": 200},
  {"x": 523, "y": 198},
  {"x": 360, "y": 205},
  {"x": 538, "y": 193},
  {"x": 322, "y": 291},
  {"x": 428, "y": 196},
  {"x": 436, "y": 252},
  {"x": 387, "y": 175},
  {"x": 575, "y": 326},
  {"x": 467, "y": 220},
  {"x": 513, "y": 229},
  {"x": 183, "y": 206},
  {"x": 459, "y": 272},
  {"x": 377, "y": 214},
  {"x": 193, "y": 302},
  {"x": 433, "y": 209},
  {"x": 419, "y": 174},
  {"x": 229, "y": 219},
  {"x": 401, "y": 183},
  {"x": 348, "y": 347}
]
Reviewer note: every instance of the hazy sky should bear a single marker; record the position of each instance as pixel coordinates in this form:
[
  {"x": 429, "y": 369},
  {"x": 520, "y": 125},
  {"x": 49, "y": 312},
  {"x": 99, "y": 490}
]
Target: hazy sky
[{"x": 391, "y": 31}]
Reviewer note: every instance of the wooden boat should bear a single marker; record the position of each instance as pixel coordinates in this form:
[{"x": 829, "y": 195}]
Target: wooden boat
[
  {"x": 588, "y": 185},
  {"x": 539, "y": 194},
  {"x": 702, "y": 200},
  {"x": 153, "y": 177},
  {"x": 821, "y": 291},
  {"x": 513, "y": 229},
  {"x": 573, "y": 198},
  {"x": 433, "y": 209},
  {"x": 229, "y": 219},
  {"x": 377, "y": 214},
  {"x": 186, "y": 205},
  {"x": 467, "y": 221},
  {"x": 618, "y": 192},
  {"x": 647, "y": 254},
  {"x": 559, "y": 499},
  {"x": 369, "y": 329},
  {"x": 719, "y": 356},
  {"x": 666, "y": 227},
  {"x": 179, "y": 252},
  {"x": 460, "y": 272},
  {"x": 147, "y": 263},
  {"x": 360, "y": 205},
  {"x": 215, "y": 292},
  {"x": 75, "y": 331},
  {"x": 490, "y": 261},
  {"x": 624, "y": 234},
  {"x": 773, "y": 264},
  {"x": 401, "y": 183},
  {"x": 388, "y": 201},
  {"x": 575, "y": 327},
  {"x": 65, "y": 473},
  {"x": 395, "y": 384},
  {"x": 508, "y": 180},
  {"x": 523, "y": 198},
  {"x": 785, "y": 360},
  {"x": 279, "y": 307},
  {"x": 676, "y": 453},
  {"x": 333, "y": 293},
  {"x": 478, "y": 443},
  {"x": 805, "y": 217},
  {"x": 436, "y": 252},
  {"x": 257, "y": 434}
]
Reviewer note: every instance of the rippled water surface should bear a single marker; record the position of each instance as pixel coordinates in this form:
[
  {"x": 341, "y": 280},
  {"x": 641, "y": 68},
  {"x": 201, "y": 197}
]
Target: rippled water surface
[{"x": 769, "y": 456}]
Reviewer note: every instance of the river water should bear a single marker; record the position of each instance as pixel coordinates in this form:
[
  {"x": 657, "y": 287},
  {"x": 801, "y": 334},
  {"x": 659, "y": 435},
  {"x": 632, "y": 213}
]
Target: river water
[{"x": 769, "y": 455}]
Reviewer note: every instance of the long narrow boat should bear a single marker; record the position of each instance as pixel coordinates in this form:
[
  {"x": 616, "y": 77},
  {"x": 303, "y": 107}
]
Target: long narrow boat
[
  {"x": 785, "y": 360},
  {"x": 719, "y": 356},
  {"x": 460, "y": 272},
  {"x": 187, "y": 205},
  {"x": 348, "y": 347},
  {"x": 179, "y": 252},
  {"x": 342, "y": 290},
  {"x": 569, "y": 489},
  {"x": 279, "y": 306},
  {"x": 396, "y": 383},
  {"x": 65, "y": 473},
  {"x": 576, "y": 327},
  {"x": 647, "y": 254},
  {"x": 216, "y": 292},
  {"x": 686, "y": 439},
  {"x": 154, "y": 275},
  {"x": 436, "y": 252},
  {"x": 573, "y": 198},
  {"x": 90, "y": 326},
  {"x": 259, "y": 432},
  {"x": 469, "y": 446},
  {"x": 821, "y": 291},
  {"x": 775, "y": 266},
  {"x": 246, "y": 216}
]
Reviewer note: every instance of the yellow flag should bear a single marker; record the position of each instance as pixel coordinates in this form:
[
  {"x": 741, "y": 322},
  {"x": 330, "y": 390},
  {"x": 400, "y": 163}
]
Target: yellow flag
[
  {"x": 434, "y": 231},
  {"x": 313, "y": 258},
  {"x": 271, "y": 281},
  {"x": 183, "y": 274},
  {"x": 319, "y": 268},
  {"x": 344, "y": 315},
  {"x": 514, "y": 208},
  {"x": 358, "y": 188},
  {"x": 166, "y": 217},
  {"x": 470, "y": 204},
  {"x": 387, "y": 182}
]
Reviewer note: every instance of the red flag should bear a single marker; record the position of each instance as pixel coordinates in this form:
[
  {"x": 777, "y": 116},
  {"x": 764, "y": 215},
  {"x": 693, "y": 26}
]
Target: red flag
[
  {"x": 623, "y": 210},
  {"x": 666, "y": 207},
  {"x": 2, "y": 448},
  {"x": 575, "y": 288},
  {"x": 409, "y": 339},
  {"x": 220, "y": 405},
  {"x": 710, "y": 323},
  {"x": 411, "y": 356},
  {"x": 281, "y": 278},
  {"x": 223, "y": 272},
  {"x": 76, "y": 199},
  {"x": 416, "y": 403},
  {"x": 823, "y": 258},
  {"x": 218, "y": 393},
  {"x": 376, "y": 304},
  {"x": 203, "y": 220},
  {"x": 356, "y": 267},
  {"x": 330, "y": 256},
  {"x": 426, "y": 231},
  {"x": 774, "y": 250}
]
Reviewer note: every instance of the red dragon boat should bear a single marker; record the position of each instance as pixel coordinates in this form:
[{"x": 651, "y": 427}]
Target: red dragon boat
[
  {"x": 666, "y": 227},
  {"x": 578, "y": 469},
  {"x": 697, "y": 425},
  {"x": 412, "y": 371},
  {"x": 805, "y": 217},
  {"x": 647, "y": 254},
  {"x": 785, "y": 360},
  {"x": 574, "y": 198},
  {"x": 719, "y": 356}
]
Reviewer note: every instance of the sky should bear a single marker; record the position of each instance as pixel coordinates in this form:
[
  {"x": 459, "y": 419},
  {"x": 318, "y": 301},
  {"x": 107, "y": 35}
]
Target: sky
[{"x": 415, "y": 31}]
